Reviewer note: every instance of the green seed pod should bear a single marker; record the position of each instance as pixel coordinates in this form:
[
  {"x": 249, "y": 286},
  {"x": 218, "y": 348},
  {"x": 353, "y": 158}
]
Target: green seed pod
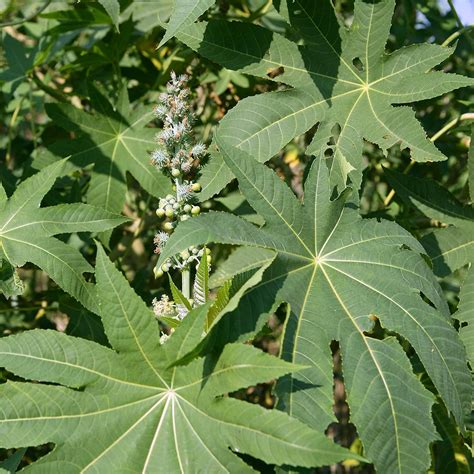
[{"x": 195, "y": 210}]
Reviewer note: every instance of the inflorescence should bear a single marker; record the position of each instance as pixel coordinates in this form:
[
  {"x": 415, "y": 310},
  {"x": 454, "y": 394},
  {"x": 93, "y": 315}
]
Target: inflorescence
[{"x": 178, "y": 157}]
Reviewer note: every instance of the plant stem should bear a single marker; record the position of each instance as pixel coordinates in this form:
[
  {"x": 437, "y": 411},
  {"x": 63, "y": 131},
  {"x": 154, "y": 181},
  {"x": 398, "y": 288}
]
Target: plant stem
[
  {"x": 186, "y": 283},
  {"x": 439, "y": 133},
  {"x": 456, "y": 35}
]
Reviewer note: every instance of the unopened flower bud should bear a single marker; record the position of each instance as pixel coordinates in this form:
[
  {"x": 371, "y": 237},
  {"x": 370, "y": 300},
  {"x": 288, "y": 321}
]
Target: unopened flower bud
[
  {"x": 168, "y": 226},
  {"x": 160, "y": 212},
  {"x": 195, "y": 210},
  {"x": 175, "y": 172},
  {"x": 184, "y": 254},
  {"x": 158, "y": 273},
  {"x": 187, "y": 208},
  {"x": 209, "y": 259},
  {"x": 196, "y": 187}
]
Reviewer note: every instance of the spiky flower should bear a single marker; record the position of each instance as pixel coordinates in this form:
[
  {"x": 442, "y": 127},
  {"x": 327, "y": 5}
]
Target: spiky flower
[
  {"x": 178, "y": 157},
  {"x": 175, "y": 139},
  {"x": 160, "y": 240}
]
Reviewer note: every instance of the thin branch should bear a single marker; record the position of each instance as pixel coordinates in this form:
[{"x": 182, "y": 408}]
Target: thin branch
[
  {"x": 459, "y": 21},
  {"x": 28, "y": 18},
  {"x": 457, "y": 34}
]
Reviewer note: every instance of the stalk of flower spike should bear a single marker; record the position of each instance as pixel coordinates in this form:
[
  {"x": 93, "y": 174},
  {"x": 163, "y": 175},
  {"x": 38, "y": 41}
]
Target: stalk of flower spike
[{"x": 178, "y": 157}]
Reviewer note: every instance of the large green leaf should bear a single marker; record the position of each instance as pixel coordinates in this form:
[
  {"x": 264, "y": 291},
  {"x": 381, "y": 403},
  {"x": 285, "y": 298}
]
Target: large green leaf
[
  {"x": 115, "y": 141},
  {"x": 451, "y": 247},
  {"x": 339, "y": 273},
  {"x": 145, "y": 416},
  {"x": 26, "y": 232},
  {"x": 340, "y": 77}
]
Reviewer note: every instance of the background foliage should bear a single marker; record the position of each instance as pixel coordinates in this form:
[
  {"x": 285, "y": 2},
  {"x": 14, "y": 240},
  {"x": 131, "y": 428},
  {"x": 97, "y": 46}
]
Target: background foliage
[{"x": 79, "y": 80}]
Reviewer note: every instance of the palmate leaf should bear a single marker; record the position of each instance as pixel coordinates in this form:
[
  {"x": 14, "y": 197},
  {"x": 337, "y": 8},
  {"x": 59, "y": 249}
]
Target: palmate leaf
[
  {"x": 26, "y": 232},
  {"x": 134, "y": 414},
  {"x": 113, "y": 140},
  {"x": 339, "y": 272},
  {"x": 339, "y": 77}
]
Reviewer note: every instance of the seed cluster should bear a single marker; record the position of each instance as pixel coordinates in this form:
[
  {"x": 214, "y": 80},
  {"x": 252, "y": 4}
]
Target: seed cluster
[{"x": 178, "y": 157}]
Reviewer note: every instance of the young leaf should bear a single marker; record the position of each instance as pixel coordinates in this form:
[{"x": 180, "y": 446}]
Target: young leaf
[
  {"x": 339, "y": 272},
  {"x": 339, "y": 77},
  {"x": 145, "y": 417},
  {"x": 26, "y": 232},
  {"x": 185, "y": 13},
  {"x": 201, "y": 282},
  {"x": 178, "y": 297},
  {"x": 115, "y": 141}
]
